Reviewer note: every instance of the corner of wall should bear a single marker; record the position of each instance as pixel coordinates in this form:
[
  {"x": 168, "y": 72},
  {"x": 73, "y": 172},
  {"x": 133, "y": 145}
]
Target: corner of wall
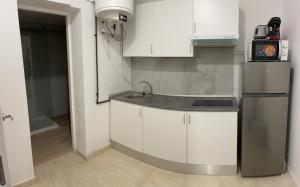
[
  {"x": 291, "y": 27},
  {"x": 293, "y": 176}
]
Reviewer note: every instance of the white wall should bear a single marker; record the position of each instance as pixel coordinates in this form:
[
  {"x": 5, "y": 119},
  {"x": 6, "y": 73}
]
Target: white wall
[
  {"x": 114, "y": 76},
  {"x": 81, "y": 35},
  {"x": 253, "y": 13},
  {"x": 95, "y": 124},
  {"x": 58, "y": 61},
  {"x": 40, "y": 76},
  {"x": 114, "y": 70},
  {"x": 97, "y": 116},
  {"x": 77, "y": 91},
  {"x": 47, "y": 74},
  {"x": 27, "y": 59},
  {"x": 91, "y": 120},
  {"x": 292, "y": 30}
]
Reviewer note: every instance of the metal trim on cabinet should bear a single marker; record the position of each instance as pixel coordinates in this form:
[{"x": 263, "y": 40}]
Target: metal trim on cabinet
[{"x": 175, "y": 166}]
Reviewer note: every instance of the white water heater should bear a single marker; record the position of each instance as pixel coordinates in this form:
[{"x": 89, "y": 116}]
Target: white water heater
[{"x": 116, "y": 10}]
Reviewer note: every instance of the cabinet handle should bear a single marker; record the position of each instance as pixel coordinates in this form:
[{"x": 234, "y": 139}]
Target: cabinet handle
[
  {"x": 140, "y": 112},
  {"x": 151, "y": 49},
  {"x": 183, "y": 118},
  {"x": 5, "y": 117},
  {"x": 189, "y": 118}
]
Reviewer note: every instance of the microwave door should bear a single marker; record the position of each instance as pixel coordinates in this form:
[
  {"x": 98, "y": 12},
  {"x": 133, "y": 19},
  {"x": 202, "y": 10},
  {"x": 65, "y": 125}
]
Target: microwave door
[{"x": 265, "y": 50}]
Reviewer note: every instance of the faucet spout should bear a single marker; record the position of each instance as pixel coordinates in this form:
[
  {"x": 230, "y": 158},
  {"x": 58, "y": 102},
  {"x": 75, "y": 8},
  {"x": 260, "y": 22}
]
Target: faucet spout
[{"x": 149, "y": 86}]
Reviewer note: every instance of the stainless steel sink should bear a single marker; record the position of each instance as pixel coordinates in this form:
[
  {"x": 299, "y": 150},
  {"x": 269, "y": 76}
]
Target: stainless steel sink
[{"x": 136, "y": 96}]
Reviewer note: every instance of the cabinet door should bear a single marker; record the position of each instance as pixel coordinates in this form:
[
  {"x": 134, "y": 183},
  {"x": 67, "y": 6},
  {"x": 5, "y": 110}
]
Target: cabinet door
[
  {"x": 216, "y": 17},
  {"x": 212, "y": 138},
  {"x": 165, "y": 134},
  {"x": 126, "y": 125},
  {"x": 173, "y": 28},
  {"x": 139, "y": 31}
]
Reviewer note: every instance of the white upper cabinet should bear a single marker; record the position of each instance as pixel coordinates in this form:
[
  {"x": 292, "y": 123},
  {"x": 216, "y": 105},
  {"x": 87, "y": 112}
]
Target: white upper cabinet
[
  {"x": 139, "y": 31},
  {"x": 173, "y": 28},
  {"x": 160, "y": 29},
  {"x": 216, "y": 19}
]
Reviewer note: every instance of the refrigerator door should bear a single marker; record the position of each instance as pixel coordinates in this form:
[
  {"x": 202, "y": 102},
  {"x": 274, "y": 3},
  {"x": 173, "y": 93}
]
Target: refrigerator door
[
  {"x": 264, "y": 129},
  {"x": 266, "y": 77}
]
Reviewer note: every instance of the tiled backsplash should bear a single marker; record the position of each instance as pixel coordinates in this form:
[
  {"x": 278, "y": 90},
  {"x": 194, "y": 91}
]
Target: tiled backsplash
[{"x": 210, "y": 72}]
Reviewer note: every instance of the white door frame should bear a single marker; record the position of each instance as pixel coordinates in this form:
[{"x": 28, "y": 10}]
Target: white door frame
[{"x": 68, "y": 16}]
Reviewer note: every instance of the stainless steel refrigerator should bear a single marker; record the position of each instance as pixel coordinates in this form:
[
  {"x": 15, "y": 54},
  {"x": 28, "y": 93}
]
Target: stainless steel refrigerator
[{"x": 264, "y": 113}]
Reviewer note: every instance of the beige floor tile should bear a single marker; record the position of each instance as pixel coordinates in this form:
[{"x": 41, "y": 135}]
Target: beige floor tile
[
  {"x": 278, "y": 181},
  {"x": 114, "y": 169},
  {"x": 52, "y": 144},
  {"x": 202, "y": 181}
]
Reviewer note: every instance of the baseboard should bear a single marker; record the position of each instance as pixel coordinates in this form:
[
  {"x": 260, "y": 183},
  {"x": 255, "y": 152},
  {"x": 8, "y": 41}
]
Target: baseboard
[
  {"x": 26, "y": 183},
  {"x": 291, "y": 173},
  {"x": 81, "y": 154},
  {"x": 97, "y": 152},
  {"x": 194, "y": 169},
  {"x": 94, "y": 153},
  {"x": 52, "y": 127}
]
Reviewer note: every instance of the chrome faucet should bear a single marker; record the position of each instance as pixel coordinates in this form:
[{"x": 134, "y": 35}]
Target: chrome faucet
[{"x": 149, "y": 86}]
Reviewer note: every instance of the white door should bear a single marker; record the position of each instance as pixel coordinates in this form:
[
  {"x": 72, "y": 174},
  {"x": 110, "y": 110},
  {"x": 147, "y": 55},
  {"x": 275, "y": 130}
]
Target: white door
[
  {"x": 165, "y": 134},
  {"x": 212, "y": 138},
  {"x": 13, "y": 96},
  {"x": 126, "y": 124},
  {"x": 4, "y": 173},
  {"x": 139, "y": 31},
  {"x": 173, "y": 28}
]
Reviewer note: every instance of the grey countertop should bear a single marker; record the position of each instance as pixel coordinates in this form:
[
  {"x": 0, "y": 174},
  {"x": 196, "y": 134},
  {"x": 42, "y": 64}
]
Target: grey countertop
[{"x": 175, "y": 102}]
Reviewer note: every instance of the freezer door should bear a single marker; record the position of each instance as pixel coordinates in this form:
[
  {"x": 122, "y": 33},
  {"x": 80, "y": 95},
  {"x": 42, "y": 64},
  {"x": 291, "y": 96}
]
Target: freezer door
[
  {"x": 264, "y": 129},
  {"x": 266, "y": 77}
]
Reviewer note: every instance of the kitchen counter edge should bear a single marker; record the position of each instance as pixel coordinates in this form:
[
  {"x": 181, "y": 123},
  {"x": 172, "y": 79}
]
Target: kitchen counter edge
[{"x": 179, "y": 103}]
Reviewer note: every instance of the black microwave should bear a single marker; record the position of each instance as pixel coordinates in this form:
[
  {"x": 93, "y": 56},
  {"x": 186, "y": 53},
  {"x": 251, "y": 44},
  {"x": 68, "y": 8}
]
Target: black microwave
[{"x": 268, "y": 50}]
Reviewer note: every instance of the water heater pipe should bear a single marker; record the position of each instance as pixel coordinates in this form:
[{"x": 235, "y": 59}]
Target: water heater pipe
[{"x": 97, "y": 66}]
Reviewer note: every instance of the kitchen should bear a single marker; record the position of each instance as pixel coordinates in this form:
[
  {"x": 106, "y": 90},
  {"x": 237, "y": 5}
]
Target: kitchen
[{"x": 173, "y": 79}]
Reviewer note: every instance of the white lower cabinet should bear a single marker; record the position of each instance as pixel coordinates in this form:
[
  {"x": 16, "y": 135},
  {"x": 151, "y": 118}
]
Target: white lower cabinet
[
  {"x": 212, "y": 138},
  {"x": 165, "y": 134},
  {"x": 127, "y": 125},
  {"x": 197, "y": 138}
]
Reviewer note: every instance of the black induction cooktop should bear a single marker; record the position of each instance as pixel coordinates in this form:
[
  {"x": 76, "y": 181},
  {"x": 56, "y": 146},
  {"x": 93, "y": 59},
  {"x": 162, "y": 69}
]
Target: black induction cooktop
[{"x": 213, "y": 103}]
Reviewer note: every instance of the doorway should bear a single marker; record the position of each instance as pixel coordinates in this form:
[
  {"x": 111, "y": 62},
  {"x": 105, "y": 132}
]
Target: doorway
[{"x": 45, "y": 58}]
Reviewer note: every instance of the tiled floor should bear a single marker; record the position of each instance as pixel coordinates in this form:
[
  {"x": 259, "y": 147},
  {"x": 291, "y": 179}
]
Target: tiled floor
[
  {"x": 52, "y": 144},
  {"x": 56, "y": 165},
  {"x": 114, "y": 169}
]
